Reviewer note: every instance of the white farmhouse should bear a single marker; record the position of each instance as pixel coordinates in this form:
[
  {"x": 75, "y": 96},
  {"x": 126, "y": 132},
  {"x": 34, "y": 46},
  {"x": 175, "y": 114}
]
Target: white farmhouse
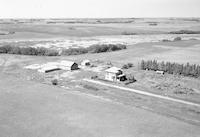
[{"x": 115, "y": 74}]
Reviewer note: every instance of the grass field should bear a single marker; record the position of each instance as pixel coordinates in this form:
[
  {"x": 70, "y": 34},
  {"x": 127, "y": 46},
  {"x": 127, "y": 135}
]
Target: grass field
[
  {"x": 29, "y": 103},
  {"x": 35, "y": 109}
]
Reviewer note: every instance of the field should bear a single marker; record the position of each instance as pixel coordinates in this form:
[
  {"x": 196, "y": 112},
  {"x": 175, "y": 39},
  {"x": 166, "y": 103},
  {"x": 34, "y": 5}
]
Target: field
[
  {"x": 40, "y": 29},
  {"x": 144, "y": 41},
  {"x": 35, "y": 109}
]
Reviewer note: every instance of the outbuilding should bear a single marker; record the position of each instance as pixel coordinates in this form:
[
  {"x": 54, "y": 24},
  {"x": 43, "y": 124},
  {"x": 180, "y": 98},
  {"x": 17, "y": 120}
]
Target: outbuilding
[
  {"x": 160, "y": 72},
  {"x": 62, "y": 65},
  {"x": 115, "y": 74},
  {"x": 51, "y": 66},
  {"x": 85, "y": 63},
  {"x": 68, "y": 65}
]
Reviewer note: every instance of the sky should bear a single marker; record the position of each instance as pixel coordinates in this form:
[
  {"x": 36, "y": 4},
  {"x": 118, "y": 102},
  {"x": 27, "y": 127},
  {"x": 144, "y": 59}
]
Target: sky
[{"x": 98, "y": 8}]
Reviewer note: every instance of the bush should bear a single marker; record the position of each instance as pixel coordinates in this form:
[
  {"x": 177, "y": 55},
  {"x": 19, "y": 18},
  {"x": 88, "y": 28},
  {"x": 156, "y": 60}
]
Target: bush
[
  {"x": 53, "y": 52},
  {"x": 54, "y": 82},
  {"x": 92, "y": 66},
  {"x": 127, "y": 66},
  {"x": 185, "y": 32},
  {"x": 165, "y": 40},
  {"x": 74, "y": 51},
  {"x": 153, "y": 24},
  {"x": 131, "y": 79},
  {"x": 41, "y": 51},
  {"x": 128, "y": 33},
  {"x": 15, "y": 50},
  {"x": 93, "y": 49},
  {"x": 177, "y": 39},
  {"x": 28, "y": 51},
  {"x": 130, "y": 65},
  {"x": 94, "y": 77}
]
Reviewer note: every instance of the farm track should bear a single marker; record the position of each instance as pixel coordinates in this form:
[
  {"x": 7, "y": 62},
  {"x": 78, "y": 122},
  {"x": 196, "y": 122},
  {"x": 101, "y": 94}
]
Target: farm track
[{"x": 144, "y": 93}]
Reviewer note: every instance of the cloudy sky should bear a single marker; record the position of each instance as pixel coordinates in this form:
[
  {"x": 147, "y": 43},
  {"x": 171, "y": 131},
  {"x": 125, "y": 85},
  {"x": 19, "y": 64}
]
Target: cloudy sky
[{"x": 98, "y": 8}]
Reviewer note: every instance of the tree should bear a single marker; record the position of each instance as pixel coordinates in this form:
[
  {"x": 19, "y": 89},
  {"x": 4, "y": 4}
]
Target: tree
[
  {"x": 177, "y": 39},
  {"x": 172, "y": 68},
  {"x": 162, "y": 66},
  {"x": 142, "y": 65},
  {"x": 187, "y": 69},
  {"x": 154, "y": 65},
  {"x": 131, "y": 78}
]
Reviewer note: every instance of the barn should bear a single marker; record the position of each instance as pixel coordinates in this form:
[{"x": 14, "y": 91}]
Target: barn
[
  {"x": 62, "y": 65},
  {"x": 68, "y": 65}
]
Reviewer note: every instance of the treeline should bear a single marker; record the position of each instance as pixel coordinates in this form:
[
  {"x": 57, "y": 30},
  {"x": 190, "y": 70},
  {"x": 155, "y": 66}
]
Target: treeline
[
  {"x": 172, "y": 68},
  {"x": 129, "y": 33},
  {"x": 175, "y": 39},
  {"x": 94, "y": 49},
  {"x": 184, "y": 32},
  {"x": 7, "y": 49}
]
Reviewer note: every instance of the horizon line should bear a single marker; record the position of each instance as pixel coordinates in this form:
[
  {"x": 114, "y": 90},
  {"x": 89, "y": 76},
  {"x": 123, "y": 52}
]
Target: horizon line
[{"x": 94, "y": 17}]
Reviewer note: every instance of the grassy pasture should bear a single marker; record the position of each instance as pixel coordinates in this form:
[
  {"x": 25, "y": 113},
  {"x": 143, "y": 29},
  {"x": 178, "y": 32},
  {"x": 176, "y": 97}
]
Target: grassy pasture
[{"x": 16, "y": 83}]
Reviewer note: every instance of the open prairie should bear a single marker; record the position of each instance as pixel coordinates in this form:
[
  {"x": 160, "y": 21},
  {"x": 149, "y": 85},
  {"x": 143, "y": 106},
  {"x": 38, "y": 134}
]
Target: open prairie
[
  {"x": 47, "y": 29},
  {"x": 31, "y": 106}
]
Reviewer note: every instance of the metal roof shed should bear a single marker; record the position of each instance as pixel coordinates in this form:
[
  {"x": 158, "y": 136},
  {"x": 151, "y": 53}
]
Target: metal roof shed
[
  {"x": 85, "y": 63},
  {"x": 48, "y": 68}
]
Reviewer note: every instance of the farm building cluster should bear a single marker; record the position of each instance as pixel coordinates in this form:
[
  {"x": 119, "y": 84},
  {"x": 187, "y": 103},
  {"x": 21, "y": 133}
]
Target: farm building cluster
[
  {"x": 53, "y": 66},
  {"x": 110, "y": 73}
]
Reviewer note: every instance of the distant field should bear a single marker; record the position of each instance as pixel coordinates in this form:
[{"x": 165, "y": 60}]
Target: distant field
[
  {"x": 65, "y": 33},
  {"x": 181, "y": 52},
  {"x": 64, "y": 28},
  {"x": 31, "y": 106},
  {"x": 76, "y": 42}
]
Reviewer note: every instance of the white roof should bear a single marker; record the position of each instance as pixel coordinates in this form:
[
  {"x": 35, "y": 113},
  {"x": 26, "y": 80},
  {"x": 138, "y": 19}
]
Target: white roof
[
  {"x": 86, "y": 61},
  {"x": 113, "y": 70},
  {"x": 67, "y": 63},
  {"x": 159, "y": 71},
  {"x": 121, "y": 75}
]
